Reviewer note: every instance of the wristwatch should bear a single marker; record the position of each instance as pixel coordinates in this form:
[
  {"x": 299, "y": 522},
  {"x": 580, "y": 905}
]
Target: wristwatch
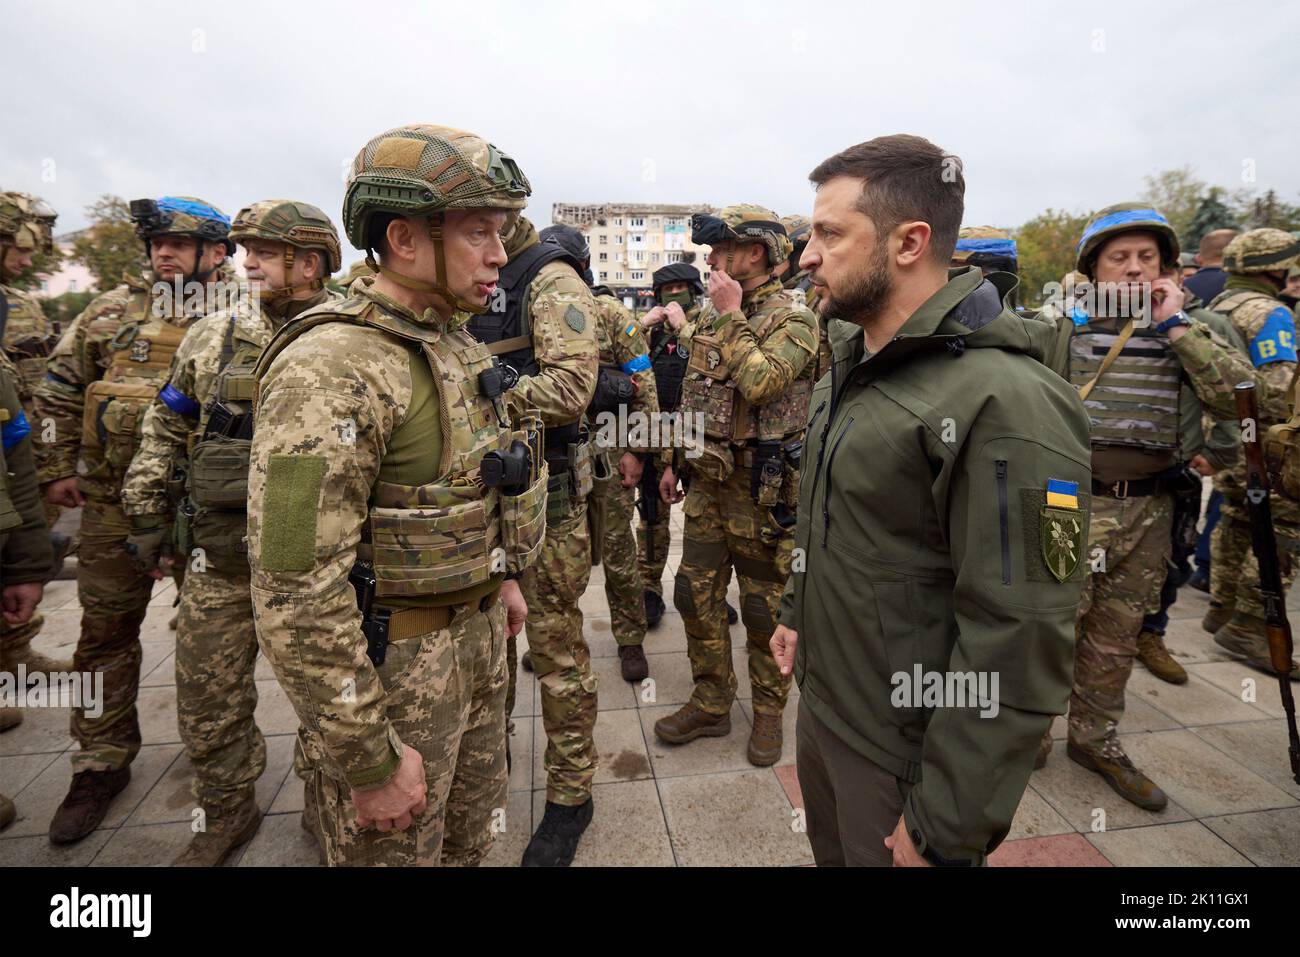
[{"x": 1179, "y": 318}]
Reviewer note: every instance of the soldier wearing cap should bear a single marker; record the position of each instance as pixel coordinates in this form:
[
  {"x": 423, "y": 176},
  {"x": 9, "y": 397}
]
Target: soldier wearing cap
[
  {"x": 678, "y": 298},
  {"x": 26, "y": 337},
  {"x": 195, "y": 439},
  {"x": 392, "y": 475},
  {"x": 750, "y": 377},
  {"x": 106, "y": 369},
  {"x": 1256, "y": 263},
  {"x": 1129, "y": 364}
]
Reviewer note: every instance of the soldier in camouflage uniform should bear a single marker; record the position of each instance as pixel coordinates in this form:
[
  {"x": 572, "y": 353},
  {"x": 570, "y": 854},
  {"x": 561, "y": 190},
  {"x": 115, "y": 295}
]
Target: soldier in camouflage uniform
[
  {"x": 1256, "y": 263},
  {"x": 109, "y": 365},
  {"x": 198, "y": 429},
  {"x": 26, "y": 335},
  {"x": 750, "y": 376},
  {"x": 388, "y": 470},
  {"x": 1103, "y": 345},
  {"x": 624, "y": 367},
  {"x": 542, "y": 327},
  {"x": 25, "y": 554},
  {"x": 678, "y": 297}
]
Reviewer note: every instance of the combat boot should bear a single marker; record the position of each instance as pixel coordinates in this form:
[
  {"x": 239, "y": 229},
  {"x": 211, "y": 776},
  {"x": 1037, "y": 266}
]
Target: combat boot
[
  {"x": 689, "y": 723},
  {"x": 526, "y": 662},
  {"x": 654, "y": 609},
  {"x": 633, "y": 663},
  {"x": 86, "y": 804},
  {"x": 7, "y": 812},
  {"x": 765, "y": 740},
  {"x": 556, "y": 839},
  {"x": 1125, "y": 780},
  {"x": 225, "y": 832},
  {"x": 1245, "y": 635},
  {"x": 10, "y": 718},
  {"x": 1153, "y": 653},
  {"x": 1216, "y": 617},
  {"x": 732, "y": 617}
]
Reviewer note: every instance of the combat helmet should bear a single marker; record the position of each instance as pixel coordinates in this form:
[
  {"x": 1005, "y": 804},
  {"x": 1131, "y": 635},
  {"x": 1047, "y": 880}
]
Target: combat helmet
[
  {"x": 743, "y": 223},
  {"x": 799, "y": 230},
  {"x": 1261, "y": 250},
  {"x": 26, "y": 222},
  {"x": 421, "y": 170},
  {"x": 181, "y": 216},
  {"x": 988, "y": 247},
  {"x": 296, "y": 225},
  {"x": 676, "y": 272},
  {"x": 1125, "y": 218}
]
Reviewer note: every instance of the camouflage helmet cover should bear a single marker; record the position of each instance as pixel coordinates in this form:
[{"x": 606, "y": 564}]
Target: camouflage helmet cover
[
  {"x": 1125, "y": 218},
  {"x": 288, "y": 221},
  {"x": 744, "y": 223},
  {"x": 987, "y": 243},
  {"x": 419, "y": 169},
  {"x": 1261, "y": 250},
  {"x": 27, "y": 222},
  {"x": 797, "y": 228}
]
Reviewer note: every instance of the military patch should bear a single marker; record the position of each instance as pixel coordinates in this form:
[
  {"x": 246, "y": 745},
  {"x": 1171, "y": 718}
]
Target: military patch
[
  {"x": 575, "y": 318},
  {"x": 713, "y": 357},
  {"x": 1061, "y": 531},
  {"x": 630, "y": 329},
  {"x": 139, "y": 350},
  {"x": 683, "y": 351}
]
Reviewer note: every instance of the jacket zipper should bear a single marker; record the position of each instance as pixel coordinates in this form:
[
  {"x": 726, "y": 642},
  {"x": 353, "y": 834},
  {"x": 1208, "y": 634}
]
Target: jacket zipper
[
  {"x": 1003, "y": 522},
  {"x": 826, "y": 495}
]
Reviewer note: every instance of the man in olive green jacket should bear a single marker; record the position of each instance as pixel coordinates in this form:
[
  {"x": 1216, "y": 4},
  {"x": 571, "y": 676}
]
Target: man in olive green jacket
[{"x": 942, "y": 516}]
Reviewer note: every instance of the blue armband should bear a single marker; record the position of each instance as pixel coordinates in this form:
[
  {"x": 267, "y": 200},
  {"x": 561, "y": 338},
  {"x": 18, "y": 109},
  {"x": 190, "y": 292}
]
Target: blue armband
[
  {"x": 15, "y": 430},
  {"x": 1275, "y": 342},
  {"x": 637, "y": 364},
  {"x": 179, "y": 402}
]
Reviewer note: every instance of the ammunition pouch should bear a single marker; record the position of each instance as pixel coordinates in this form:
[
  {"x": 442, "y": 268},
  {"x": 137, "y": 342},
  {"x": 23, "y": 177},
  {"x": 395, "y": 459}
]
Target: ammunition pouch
[
  {"x": 219, "y": 473},
  {"x": 111, "y": 422},
  {"x": 767, "y": 474},
  {"x": 523, "y": 522}
]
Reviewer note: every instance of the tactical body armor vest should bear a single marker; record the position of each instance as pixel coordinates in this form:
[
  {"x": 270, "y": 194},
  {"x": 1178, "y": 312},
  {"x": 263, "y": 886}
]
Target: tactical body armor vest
[
  {"x": 27, "y": 350},
  {"x": 669, "y": 367},
  {"x": 730, "y": 422},
  {"x": 442, "y": 541},
  {"x": 1134, "y": 405},
  {"x": 142, "y": 350}
]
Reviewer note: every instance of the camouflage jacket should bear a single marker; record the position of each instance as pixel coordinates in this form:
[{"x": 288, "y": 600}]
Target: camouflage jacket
[
  {"x": 81, "y": 357},
  {"x": 28, "y": 338},
  {"x": 25, "y": 554},
  {"x": 564, "y": 346},
  {"x": 327, "y": 410},
  {"x": 165, "y": 433},
  {"x": 620, "y": 342}
]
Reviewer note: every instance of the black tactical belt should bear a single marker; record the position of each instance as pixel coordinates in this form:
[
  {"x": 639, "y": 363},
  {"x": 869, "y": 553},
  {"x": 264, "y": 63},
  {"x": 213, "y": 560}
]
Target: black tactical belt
[{"x": 1126, "y": 489}]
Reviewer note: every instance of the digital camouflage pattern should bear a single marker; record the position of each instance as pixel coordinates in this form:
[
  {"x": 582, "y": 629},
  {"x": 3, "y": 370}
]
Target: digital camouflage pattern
[
  {"x": 342, "y": 416},
  {"x": 623, "y": 584},
  {"x": 114, "y": 596},
  {"x": 1261, "y": 250}
]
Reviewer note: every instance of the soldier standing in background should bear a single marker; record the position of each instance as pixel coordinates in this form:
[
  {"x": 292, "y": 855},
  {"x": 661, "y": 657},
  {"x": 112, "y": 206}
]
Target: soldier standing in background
[
  {"x": 26, "y": 336},
  {"x": 1256, "y": 263},
  {"x": 198, "y": 434},
  {"x": 750, "y": 376},
  {"x": 379, "y": 424},
  {"x": 106, "y": 369},
  {"x": 542, "y": 327}
]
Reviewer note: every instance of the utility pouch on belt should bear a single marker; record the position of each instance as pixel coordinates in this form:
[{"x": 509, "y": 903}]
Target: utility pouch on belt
[
  {"x": 219, "y": 473},
  {"x": 765, "y": 478},
  {"x": 112, "y": 418},
  {"x": 580, "y": 466},
  {"x": 523, "y": 497}
]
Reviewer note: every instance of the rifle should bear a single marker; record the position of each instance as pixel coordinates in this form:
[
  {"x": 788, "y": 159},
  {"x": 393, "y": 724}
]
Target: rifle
[
  {"x": 1264, "y": 544},
  {"x": 648, "y": 505}
]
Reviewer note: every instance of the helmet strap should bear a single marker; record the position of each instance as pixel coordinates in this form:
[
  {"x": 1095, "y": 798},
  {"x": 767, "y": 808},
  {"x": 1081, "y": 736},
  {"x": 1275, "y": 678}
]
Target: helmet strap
[
  {"x": 288, "y": 291},
  {"x": 440, "y": 263}
]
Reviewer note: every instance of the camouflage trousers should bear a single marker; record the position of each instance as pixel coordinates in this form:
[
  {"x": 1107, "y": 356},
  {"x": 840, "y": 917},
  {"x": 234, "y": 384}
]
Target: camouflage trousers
[
  {"x": 1234, "y": 570},
  {"x": 724, "y": 529},
  {"x": 561, "y": 660},
  {"x": 623, "y": 588},
  {"x": 1132, "y": 537},
  {"x": 114, "y": 598},
  {"x": 216, "y": 649},
  {"x": 445, "y": 696}
]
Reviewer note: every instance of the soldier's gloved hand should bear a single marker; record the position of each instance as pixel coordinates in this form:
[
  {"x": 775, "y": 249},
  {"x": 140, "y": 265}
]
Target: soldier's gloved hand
[{"x": 148, "y": 543}]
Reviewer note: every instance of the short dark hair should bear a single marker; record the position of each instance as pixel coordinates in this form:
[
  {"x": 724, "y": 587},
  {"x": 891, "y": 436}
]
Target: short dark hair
[{"x": 906, "y": 178}]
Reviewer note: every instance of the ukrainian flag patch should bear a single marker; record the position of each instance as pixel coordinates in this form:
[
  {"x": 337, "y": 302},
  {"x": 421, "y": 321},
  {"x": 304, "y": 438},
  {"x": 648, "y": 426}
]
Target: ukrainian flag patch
[
  {"x": 1062, "y": 494},
  {"x": 630, "y": 329}
]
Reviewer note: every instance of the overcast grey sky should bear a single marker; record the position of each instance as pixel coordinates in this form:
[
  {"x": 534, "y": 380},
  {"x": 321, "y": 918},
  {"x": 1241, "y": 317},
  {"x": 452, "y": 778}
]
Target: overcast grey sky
[{"x": 1048, "y": 104}]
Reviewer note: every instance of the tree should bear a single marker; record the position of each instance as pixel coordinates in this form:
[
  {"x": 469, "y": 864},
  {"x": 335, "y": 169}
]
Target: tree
[
  {"x": 1045, "y": 247},
  {"x": 108, "y": 247},
  {"x": 1177, "y": 194},
  {"x": 1211, "y": 214},
  {"x": 1268, "y": 210},
  {"x": 63, "y": 309}
]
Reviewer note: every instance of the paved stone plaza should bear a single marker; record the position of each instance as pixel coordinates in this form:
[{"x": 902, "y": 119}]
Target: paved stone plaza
[{"x": 1222, "y": 761}]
